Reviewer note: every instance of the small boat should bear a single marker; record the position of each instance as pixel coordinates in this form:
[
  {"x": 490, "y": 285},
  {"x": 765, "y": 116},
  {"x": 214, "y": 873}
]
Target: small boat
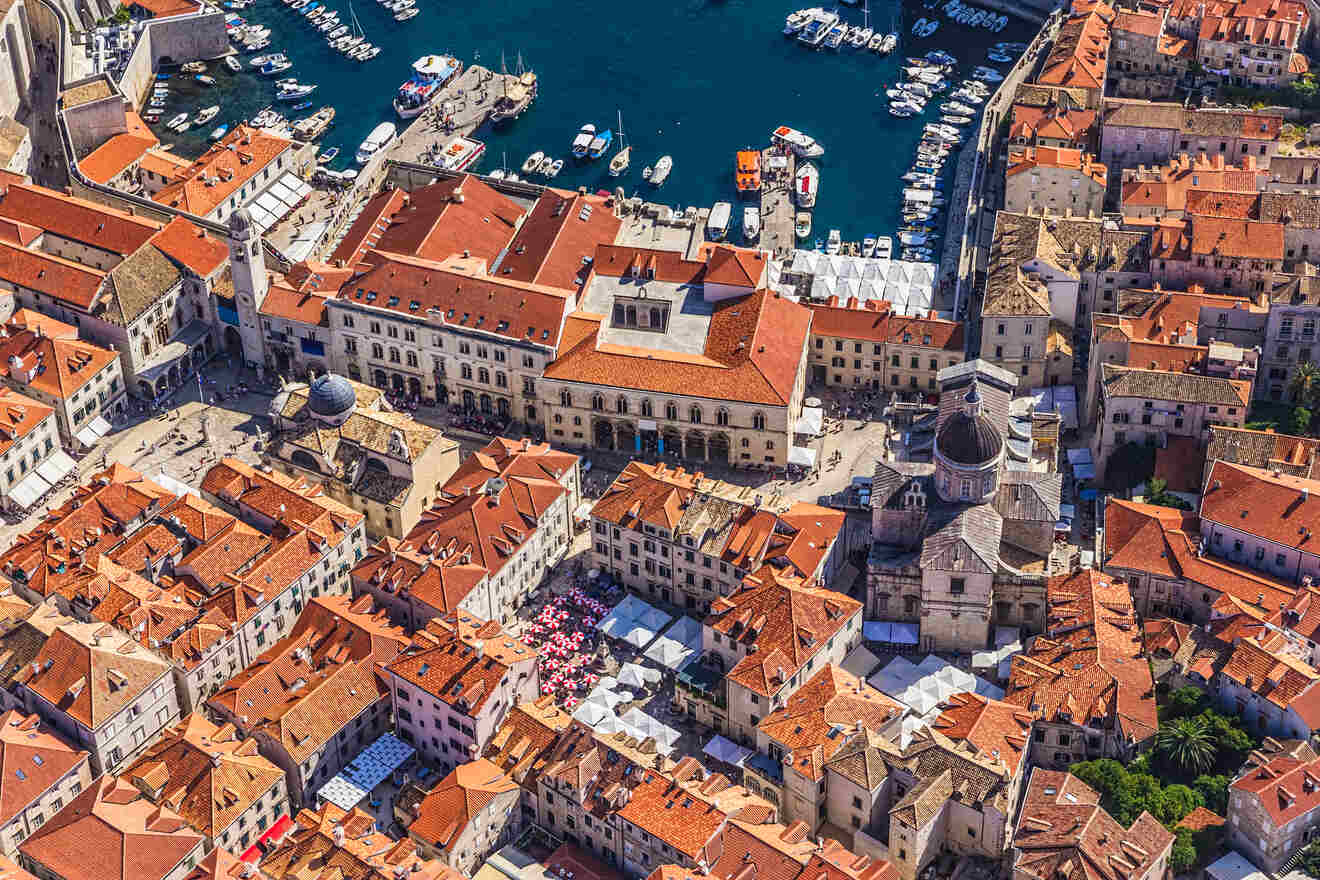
[
  {"x": 834, "y": 39},
  {"x": 555, "y": 168},
  {"x": 987, "y": 74},
  {"x": 152, "y": 118},
  {"x": 835, "y": 242},
  {"x": 533, "y": 162},
  {"x": 876, "y": 41},
  {"x": 859, "y": 39},
  {"x": 498, "y": 174},
  {"x": 955, "y": 120},
  {"x": 890, "y": 44},
  {"x": 582, "y": 142},
  {"x": 205, "y": 80},
  {"x": 294, "y": 92},
  {"x": 599, "y": 144},
  {"x": 884, "y": 248},
  {"x": 751, "y": 223},
  {"x": 802, "y": 224},
  {"x": 868, "y": 246},
  {"x": 193, "y": 67},
  {"x": 381, "y": 136},
  {"x": 219, "y": 131},
  {"x": 407, "y": 14},
  {"x": 544, "y": 168},
  {"x": 328, "y": 156},
  {"x": 233, "y": 63},
  {"x": 622, "y": 159},
  {"x": 660, "y": 173},
  {"x": 919, "y": 26},
  {"x": 939, "y": 56},
  {"x": 206, "y": 115},
  {"x": 806, "y": 183},
  {"x": 178, "y": 123},
  {"x": 804, "y": 145},
  {"x": 717, "y": 224},
  {"x": 302, "y": 105},
  {"x": 274, "y": 68},
  {"x": 646, "y": 173}
]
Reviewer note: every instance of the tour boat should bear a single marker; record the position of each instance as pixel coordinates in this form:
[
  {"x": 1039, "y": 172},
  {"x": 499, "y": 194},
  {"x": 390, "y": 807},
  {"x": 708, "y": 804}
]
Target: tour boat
[
  {"x": 582, "y": 142},
  {"x": 379, "y": 139},
  {"x": 599, "y": 144},
  {"x": 717, "y": 224},
  {"x": 747, "y": 172},
  {"x": 431, "y": 73},
  {"x": 799, "y": 143}
]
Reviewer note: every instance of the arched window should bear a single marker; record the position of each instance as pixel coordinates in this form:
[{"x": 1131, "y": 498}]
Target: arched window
[
  {"x": 466, "y": 371},
  {"x": 621, "y": 405},
  {"x": 501, "y": 380},
  {"x": 394, "y": 355},
  {"x": 559, "y": 420},
  {"x": 655, "y": 317},
  {"x": 646, "y": 409},
  {"x": 377, "y": 351},
  {"x": 483, "y": 376},
  {"x": 758, "y": 421},
  {"x": 722, "y": 416},
  {"x": 411, "y": 357},
  {"x": 565, "y": 397},
  {"x": 598, "y": 402},
  {"x": 694, "y": 415},
  {"x": 632, "y": 316},
  {"x": 671, "y": 411}
]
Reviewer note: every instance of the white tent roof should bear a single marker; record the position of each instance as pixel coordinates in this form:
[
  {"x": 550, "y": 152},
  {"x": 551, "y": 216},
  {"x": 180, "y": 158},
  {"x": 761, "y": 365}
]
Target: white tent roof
[
  {"x": 634, "y": 621},
  {"x": 925, "y": 685},
  {"x": 633, "y": 675},
  {"x": 811, "y": 422},
  {"x": 678, "y": 644},
  {"x": 724, "y": 750}
]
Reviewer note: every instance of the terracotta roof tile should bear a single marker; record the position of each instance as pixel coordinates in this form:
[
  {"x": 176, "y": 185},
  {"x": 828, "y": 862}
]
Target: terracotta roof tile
[
  {"x": 85, "y": 222},
  {"x": 308, "y": 851},
  {"x": 224, "y": 169},
  {"x": 555, "y": 242},
  {"x": 51, "y": 365},
  {"x": 115, "y": 156},
  {"x": 457, "y": 800}
]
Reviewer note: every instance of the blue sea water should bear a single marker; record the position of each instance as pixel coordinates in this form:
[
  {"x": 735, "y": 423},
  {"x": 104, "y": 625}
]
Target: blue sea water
[{"x": 695, "y": 79}]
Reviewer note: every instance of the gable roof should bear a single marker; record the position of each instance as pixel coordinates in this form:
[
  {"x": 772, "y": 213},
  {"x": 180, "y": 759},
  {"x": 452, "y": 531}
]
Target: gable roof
[{"x": 457, "y": 800}]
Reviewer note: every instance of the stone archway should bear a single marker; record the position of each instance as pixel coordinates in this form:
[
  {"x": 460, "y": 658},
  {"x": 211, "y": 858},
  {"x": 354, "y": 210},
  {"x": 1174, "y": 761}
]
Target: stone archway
[
  {"x": 486, "y": 405},
  {"x": 162, "y": 385},
  {"x": 603, "y": 434},
  {"x": 396, "y": 381},
  {"x": 442, "y": 394},
  {"x": 233, "y": 341},
  {"x": 414, "y": 386},
  {"x": 144, "y": 389},
  {"x": 379, "y": 379},
  {"x": 174, "y": 375},
  {"x": 626, "y": 437},
  {"x": 673, "y": 441},
  {"x": 694, "y": 445},
  {"x": 718, "y": 448},
  {"x": 502, "y": 407}
]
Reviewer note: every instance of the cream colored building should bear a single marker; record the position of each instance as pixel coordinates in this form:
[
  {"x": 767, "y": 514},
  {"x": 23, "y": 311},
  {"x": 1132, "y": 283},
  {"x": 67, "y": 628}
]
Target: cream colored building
[
  {"x": 342, "y": 435},
  {"x": 680, "y": 358},
  {"x": 1057, "y": 180},
  {"x": 872, "y": 347},
  {"x": 29, "y": 437},
  {"x": 46, "y": 785}
]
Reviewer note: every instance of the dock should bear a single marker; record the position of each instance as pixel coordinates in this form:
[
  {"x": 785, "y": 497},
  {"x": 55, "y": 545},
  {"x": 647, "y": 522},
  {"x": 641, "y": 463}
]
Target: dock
[
  {"x": 460, "y": 109},
  {"x": 777, "y": 231}
]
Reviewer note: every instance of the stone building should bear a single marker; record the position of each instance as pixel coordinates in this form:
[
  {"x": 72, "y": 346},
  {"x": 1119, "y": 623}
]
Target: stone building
[
  {"x": 961, "y": 545},
  {"x": 1056, "y": 180},
  {"x": 1254, "y": 43},
  {"x": 345, "y": 437},
  {"x": 1274, "y": 808},
  {"x": 868, "y": 345}
]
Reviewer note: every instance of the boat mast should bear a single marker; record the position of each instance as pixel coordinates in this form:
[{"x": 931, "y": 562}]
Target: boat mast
[{"x": 621, "y": 142}]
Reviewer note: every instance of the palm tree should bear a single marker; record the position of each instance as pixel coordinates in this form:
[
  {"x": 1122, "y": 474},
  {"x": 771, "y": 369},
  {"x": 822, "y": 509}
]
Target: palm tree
[
  {"x": 1188, "y": 743},
  {"x": 1305, "y": 384}
]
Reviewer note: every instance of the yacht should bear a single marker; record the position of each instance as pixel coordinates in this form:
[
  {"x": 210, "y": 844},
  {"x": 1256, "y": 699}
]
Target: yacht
[
  {"x": 806, "y": 182},
  {"x": 834, "y": 39},
  {"x": 751, "y": 223},
  {"x": 817, "y": 28},
  {"x": 206, "y": 115},
  {"x": 835, "y": 242},
  {"x": 599, "y": 144},
  {"x": 294, "y": 91},
  {"x": 275, "y": 67},
  {"x": 802, "y": 224},
  {"x": 263, "y": 60},
  {"x": 859, "y": 39},
  {"x": 799, "y": 143},
  {"x": 233, "y": 63},
  {"x": 533, "y": 162},
  {"x": 178, "y": 123},
  {"x": 717, "y": 225},
  {"x": 379, "y": 139},
  {"x": 660, "y": 173},
  {"x": 884, "y": 247},
  {"x": 586, "y": 134}
]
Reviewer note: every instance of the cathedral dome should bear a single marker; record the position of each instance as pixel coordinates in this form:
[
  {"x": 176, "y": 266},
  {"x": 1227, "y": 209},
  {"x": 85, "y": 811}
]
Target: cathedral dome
[
  {"x": 968, "y": 437},
  {"x": 331, "y": 396}
]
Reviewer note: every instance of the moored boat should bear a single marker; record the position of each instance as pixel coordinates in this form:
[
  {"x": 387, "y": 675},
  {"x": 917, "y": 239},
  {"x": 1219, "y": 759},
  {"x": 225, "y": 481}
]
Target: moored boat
[
  {"x": 802, "y": 224},
  {"x": 660, "y": 173},
  {"x": 806, "y": 183},
  {"x": 328, "y": 156},
  {"x": 599, "y": 144},
  {"x": 747, "y": 172},
  {"x": 751, "y": 223},
  {"x": 799, "y": 143},
  {"x": 717, "y": 224},
  {"x": 379, "y": 139},
  {"x": 582, "y": 142},
  {"x": 233, "y": 63},
  {"x": 533, "y": 162},
  {"x": 461, "y": 153},
  {"x": 431, "y": 73},
  {"x": 219, "y": 131},
  {"x": 207, "y": 114}
]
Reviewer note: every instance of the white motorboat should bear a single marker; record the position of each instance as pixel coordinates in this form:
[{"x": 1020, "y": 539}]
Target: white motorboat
[
  {"x": 987, "y": 74},
  {"x": 751, "y": 223},
  {"x": 806, "y": 184},
  {"x": 860, "y": 37},
  {"x": 379, "y": 139},
  {"x": 233, "y": 63},
  {"x": 178, "y": 123},
  {"x": 533, "y": 162},
  {"x": 206, "y": 115},
  {"x": 407, "y": 14},
  {"x": 884, "y": 248},
  {"x": 660, "y": 173},
  {"x": 582, "y": 142},
  {"x": 804, "y": 145},
  {"x": 802, "y": 224},
  {"x": 835, "y": 242},
  {"x": 555, "y": 168},
  {"x": 717, "y": 224}
]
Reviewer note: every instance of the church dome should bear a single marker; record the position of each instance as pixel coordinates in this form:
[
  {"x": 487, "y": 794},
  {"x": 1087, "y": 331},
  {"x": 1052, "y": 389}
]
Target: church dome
[
  {"x": 331, "y": 396},
  {"x": 968, "y": 437}
]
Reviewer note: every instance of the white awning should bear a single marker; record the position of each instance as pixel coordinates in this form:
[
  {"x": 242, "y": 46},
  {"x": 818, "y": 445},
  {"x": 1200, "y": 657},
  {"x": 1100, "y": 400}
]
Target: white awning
[
  {"x": 812, "y": 421},
  {"x": 801, "y": 456},
  {"x": 57, "y": 467},
  {"x": 100, "y": 425},
  {"x": 86, "y": 436},
  {"x": 28, "y": 490}
]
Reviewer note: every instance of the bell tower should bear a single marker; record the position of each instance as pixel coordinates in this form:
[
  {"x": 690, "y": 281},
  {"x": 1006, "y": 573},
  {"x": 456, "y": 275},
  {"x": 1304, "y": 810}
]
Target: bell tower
[{"x": 247, "y": 268}]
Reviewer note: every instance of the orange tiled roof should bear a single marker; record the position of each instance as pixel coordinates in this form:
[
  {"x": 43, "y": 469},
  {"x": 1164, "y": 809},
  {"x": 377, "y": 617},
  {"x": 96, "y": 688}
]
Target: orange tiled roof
[
  {"x": 873, "y": 320},
  {"x": 463, "y": 661},
  {"x": 53, "y": 366},
  {"x": 562, "y": 230},
  {"x": 190, "y": 246},
  {"x": 998, "y": 731},
  {"x": 1026, "y": 158},
  {"x": 1088, "y": 665},
  {"x": 1060, "y": 123},
  {"x": 309, "y": 851},
  {"x": 32, "y": 760},
  {"x": 1139, "y": 21},
  {"x": 54, "y": 276},
  {"x": 519, "y": 746},
  {"x": 1280, "y": 508},
  {"x": 115, "y": 156},
  {"x": 806, "y": 725},
  {"x": 1225, "y": 237},
  {"x": 1078, "y": 56},
  {"x": 111, "y": 832},
  {"x": 447, "y": 218},
  {"x": 224, "y": 169},
  {"x": 1285, "y": 788},
  {"x": 458, "y": 799},
  {"x": 85, "y": 222},
  {"x": 19, "y": 416}
]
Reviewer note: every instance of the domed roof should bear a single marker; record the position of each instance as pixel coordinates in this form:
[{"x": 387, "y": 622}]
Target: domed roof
[
  {"x": 969, "y": 439},
  {"x": 331, "y": 395}
]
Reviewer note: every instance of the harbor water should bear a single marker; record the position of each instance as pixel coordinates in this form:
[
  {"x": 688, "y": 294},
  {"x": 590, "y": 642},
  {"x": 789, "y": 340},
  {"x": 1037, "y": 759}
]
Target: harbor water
[{"x": 695, "y": 79}]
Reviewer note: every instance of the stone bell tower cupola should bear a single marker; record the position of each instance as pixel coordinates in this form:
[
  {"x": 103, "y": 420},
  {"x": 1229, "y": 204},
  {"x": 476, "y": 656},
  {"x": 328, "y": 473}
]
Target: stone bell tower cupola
[{"x": 968, "y": 453}]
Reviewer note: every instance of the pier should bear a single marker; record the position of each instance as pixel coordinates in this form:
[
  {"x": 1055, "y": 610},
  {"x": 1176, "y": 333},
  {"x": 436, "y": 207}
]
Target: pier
[
  {"x": 777, "y": 227},
  {"x": 460, "y": 109}
]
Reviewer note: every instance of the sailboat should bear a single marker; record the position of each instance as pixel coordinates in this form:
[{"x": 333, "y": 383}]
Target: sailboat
[
  {"x": 357, "y": 34},
  {"x": 518, "y": 96},
  {"x": 619, "y": 163}
]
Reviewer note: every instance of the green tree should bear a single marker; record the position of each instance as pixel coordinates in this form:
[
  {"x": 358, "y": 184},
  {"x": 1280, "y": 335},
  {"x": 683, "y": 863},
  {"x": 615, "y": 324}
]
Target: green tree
[
  {"x": 1232, "y": 743},
  {"x": 1183, "y": 856},
  {"x": 1300, "y": 422},
  {"x": 1157, "y": 492},
  {"x": 1309, "y": 864},
  {"x": 1187, "y": 743},
  {"x": 1305, "y": 384},
  {"x": 1213, "y": 791},
  {"x": 1186, "y": 701},
  {"x": 1179, "y": 800}
]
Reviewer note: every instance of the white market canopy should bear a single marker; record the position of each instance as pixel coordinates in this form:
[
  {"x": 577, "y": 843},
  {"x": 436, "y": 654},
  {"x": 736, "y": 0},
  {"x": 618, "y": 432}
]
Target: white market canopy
[
  {"x": 633, "y": 675},
  {"x": 634, "y": 621},
  {"x": 893, "y": 633},
  {"x": 727, "y": 751},
  {"x": 678, "y": 644},
  {"x": 923, "y": 686}
]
